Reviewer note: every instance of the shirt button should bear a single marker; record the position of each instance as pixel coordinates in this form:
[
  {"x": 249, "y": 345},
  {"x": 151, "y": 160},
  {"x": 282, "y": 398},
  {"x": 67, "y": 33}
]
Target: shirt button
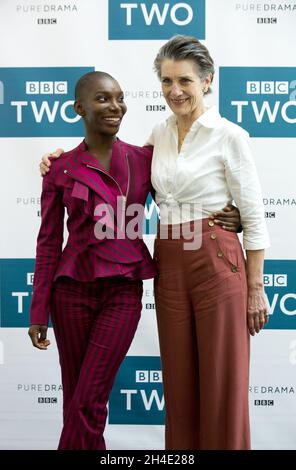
[
  {"x": 66, "y": 171},
  {"x": 213, "y": 236},
  {"x": 211, "y": 223},
  {"x": 220, "y": 254},
  {"x": 234, "y": 268}
]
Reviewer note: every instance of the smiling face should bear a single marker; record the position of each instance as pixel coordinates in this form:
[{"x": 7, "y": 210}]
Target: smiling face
[
  {"x": 182, "y": 87},
  {"x": 101, "y": 104}
]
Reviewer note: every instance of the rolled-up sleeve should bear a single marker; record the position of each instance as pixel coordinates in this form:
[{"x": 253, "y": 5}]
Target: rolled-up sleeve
[{"x": 244, "y": 185}]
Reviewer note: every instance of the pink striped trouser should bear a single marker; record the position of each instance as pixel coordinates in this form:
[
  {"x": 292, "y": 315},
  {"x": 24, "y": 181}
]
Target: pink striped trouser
[{"x": 94, "y": 324}]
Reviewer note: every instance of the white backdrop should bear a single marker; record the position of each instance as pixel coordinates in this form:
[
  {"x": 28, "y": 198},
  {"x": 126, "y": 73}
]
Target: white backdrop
[{"x": 252, "y": 43}]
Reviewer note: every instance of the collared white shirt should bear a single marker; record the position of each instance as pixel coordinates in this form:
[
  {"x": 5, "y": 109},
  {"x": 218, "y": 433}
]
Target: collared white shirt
[{"x": 214, "y": 167}]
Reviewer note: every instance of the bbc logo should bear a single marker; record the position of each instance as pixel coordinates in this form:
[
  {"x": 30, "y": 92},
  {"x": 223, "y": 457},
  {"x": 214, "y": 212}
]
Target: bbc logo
[
  {"x": 46, "y": 88},
  {"x": 278, "y": 280},
  {"x": 266, "y": 20},
  {"x": 30, "y": 279},
  {"x": 148, "y": 376},
  {"x": 267, "y": 88},
  {"x": 1, "y": 93},
  {"x": 47, "y": 400},
  {"x": 155, "y": 107},
  {"x": 47, "y": 21},
  {"x": 150, "y": 306},
  {"x": 263, "y": 402}
]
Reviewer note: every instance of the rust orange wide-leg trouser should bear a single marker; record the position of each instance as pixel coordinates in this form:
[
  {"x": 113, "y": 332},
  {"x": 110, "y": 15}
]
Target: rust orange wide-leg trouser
[{"x": 201, "y": 302}]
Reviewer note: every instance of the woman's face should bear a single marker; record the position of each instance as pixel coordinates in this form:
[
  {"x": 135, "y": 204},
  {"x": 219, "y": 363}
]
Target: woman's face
[
  {"x": 102, "y": 106},
  {"x": 182, "y": 87}
]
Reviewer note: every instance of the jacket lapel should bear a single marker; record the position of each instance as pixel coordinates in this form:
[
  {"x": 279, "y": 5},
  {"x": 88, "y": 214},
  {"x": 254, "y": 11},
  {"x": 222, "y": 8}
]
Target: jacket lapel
[
  {"x": 89, "y": 174},
  {"x": 81, "y": 191}
]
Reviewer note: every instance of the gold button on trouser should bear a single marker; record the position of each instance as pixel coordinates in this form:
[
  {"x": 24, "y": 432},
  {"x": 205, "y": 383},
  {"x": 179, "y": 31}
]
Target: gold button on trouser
[
  {"x": 211, "y": 223},
  {"x": 213, "y": 236},
  {"x": 220, "y": 254}
]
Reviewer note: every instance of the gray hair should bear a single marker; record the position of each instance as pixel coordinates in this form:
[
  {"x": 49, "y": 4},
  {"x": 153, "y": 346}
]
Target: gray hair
[{"x": 186, "y": 48}]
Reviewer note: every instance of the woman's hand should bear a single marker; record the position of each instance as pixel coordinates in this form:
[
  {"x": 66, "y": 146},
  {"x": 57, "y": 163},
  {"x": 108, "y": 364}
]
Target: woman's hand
[
  {"x": 228, "y": 218},
  {"x": 38, "y": 335},
  {"x": 44, "y": 165},
  {"x": 257, "y": 315}
]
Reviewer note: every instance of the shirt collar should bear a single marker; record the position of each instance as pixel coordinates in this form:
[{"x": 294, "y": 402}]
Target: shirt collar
[{"x": 211, "y": 119}]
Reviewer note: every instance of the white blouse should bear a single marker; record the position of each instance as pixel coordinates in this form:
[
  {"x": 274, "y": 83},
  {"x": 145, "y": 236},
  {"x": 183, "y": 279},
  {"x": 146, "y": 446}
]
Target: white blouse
[{"x": 214, "y": 167}]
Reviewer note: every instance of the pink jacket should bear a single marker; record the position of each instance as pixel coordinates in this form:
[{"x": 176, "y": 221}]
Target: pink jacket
[{"x": 78, "y": 182}]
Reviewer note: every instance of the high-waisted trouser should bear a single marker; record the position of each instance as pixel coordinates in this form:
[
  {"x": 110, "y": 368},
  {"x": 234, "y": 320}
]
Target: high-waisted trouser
[
  {"x": 201, "y": 303},
  {"x": 94, "y": 324}
]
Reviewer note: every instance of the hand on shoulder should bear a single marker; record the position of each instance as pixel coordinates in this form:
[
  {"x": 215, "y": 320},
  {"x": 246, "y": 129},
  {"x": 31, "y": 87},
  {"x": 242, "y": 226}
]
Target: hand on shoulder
[{"x": 45, "y": 163}]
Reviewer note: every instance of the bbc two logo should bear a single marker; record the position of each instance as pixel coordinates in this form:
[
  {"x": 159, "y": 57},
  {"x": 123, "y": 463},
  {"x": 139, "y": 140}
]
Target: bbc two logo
[
  {"x": 148, "y": 19},
  {"x": 260, "y": 99},
  {"x": 38, "y": 102},
  {"x": 280, "y": 286},
  {"x": 16, "y": 282},
  {"x": 137, "y": 394},
  {"x": 16, "y": 286}
]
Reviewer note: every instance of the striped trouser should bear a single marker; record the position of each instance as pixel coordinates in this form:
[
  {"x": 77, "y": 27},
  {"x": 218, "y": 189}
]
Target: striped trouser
[{"x": 94, "y": 324}]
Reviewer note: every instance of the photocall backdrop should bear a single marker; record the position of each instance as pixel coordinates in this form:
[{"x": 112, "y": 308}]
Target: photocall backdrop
[{"x": 45, "y": 47}]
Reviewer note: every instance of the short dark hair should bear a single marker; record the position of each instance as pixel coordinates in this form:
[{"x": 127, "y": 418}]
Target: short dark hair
[
  {"x": 186, "y": 48},
  {"x": 86, "y": 79}
]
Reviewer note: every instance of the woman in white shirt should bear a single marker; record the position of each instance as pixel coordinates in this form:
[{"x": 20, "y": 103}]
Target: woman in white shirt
[{"x": 208, "y": 299}]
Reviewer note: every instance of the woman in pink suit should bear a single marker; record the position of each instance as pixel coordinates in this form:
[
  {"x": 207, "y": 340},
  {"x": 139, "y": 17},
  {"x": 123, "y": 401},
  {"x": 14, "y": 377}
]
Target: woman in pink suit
[{"x": 93, "y": 287}]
